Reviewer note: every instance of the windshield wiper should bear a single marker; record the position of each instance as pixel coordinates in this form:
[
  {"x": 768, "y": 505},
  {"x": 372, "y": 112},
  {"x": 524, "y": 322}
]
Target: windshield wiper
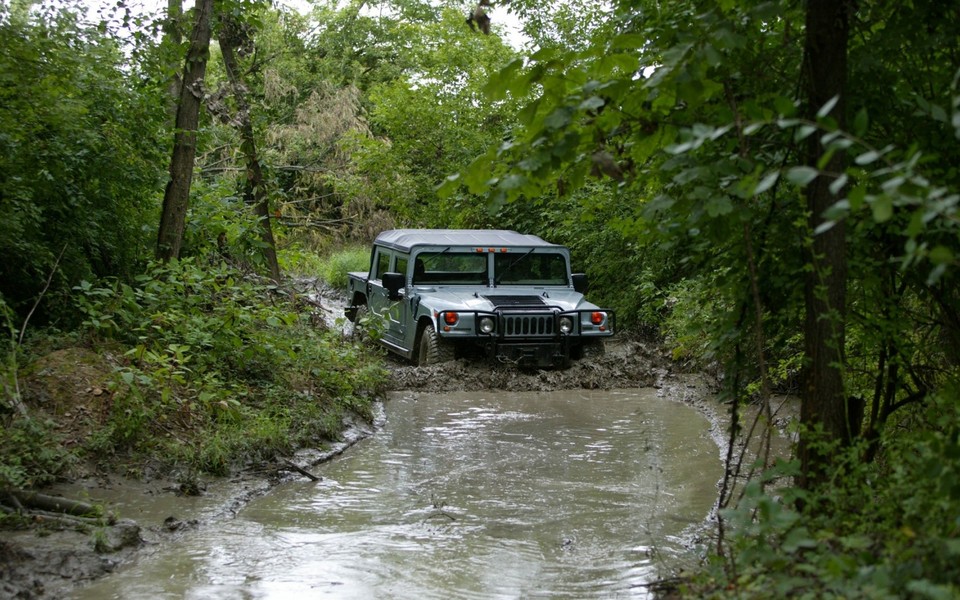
[
  {"x": 513, "y": 263},
  {"x": 444, "y": 251}
]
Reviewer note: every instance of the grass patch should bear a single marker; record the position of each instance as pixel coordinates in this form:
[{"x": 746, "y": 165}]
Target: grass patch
[
  {"x": 337, "y": 265},
  {"x": 332, "y": 268}
]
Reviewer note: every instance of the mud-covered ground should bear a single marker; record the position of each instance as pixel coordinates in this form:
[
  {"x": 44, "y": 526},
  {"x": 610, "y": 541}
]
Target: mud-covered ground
[
  {"x": 48, "y": 559},
  {"x": 625, "y": 364}
]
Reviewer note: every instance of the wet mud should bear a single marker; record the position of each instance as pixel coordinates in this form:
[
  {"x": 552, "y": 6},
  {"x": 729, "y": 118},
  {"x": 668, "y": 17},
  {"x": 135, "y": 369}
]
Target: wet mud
[{"x": 47, "y": 561}]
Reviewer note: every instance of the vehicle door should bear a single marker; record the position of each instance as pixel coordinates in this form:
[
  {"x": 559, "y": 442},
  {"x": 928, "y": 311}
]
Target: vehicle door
[
  {"x": 399, "y": 313},
  {"x": 377, "y": 298},
  {"x": 391, "y": 312}
]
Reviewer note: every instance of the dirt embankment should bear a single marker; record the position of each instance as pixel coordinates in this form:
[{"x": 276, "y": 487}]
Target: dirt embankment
[{"x": 49, "y": 560}]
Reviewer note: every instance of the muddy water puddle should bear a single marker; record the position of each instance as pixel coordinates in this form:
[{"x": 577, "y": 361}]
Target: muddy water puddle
[{"x": 564, "y": 494}]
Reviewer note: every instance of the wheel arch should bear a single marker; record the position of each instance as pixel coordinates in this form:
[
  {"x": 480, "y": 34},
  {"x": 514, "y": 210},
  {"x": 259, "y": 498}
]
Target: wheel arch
[{"x": 359, "y": 299}]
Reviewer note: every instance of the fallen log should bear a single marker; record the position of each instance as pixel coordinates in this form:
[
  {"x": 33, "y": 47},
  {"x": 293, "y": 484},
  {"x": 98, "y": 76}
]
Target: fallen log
[{"x": 55, "y": 504}]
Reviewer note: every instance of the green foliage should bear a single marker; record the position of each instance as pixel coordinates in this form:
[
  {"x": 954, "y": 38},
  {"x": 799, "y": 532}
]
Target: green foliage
[
  {"x": 30, "y": 453},
  {"x": 886, "y": 529},
  {"x": 10, "y": 364},
  {"x": 80, "y": 162},
  {"x": 220, "y": 223},
  {"x": 220, "y": 367},
  {"x": 334, "y": 267},
  {"x": 364, "y": 115}
]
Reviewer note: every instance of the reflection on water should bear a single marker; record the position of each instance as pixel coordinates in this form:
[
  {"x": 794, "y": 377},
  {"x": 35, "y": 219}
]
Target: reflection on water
[{"x": 571, "y": 494}]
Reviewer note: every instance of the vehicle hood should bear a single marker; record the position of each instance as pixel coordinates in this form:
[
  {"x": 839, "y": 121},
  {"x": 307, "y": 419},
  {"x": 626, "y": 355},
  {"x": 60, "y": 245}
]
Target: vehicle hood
[{"x": 490, "y": 299}]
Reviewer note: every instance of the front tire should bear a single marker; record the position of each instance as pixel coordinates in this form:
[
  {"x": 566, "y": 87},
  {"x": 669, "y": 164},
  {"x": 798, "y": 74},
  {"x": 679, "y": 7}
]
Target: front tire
[{"x": 432, "y": 350}]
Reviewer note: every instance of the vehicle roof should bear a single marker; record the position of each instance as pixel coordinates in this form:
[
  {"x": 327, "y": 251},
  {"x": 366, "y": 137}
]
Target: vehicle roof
[{"x": 407, "y": 239}]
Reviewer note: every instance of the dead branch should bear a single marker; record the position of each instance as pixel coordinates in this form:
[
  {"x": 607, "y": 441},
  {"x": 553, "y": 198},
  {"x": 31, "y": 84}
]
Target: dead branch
[{"x": 302, "y": 471}]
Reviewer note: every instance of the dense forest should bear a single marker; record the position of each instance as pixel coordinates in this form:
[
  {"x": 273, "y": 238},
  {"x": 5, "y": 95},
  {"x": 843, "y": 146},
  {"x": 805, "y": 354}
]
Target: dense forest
[{"x": 768, "y": 189}]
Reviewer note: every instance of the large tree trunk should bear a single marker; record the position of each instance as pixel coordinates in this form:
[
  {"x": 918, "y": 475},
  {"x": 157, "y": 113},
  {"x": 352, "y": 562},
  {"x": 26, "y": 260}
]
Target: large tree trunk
[
  {"x": 255, "y": 187},
  {"x": 177, "y": 195},
  {"x": 824, "y": 402}
]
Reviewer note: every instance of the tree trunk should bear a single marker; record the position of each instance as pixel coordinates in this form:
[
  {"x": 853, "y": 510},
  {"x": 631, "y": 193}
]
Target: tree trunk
[
  {"x": 172, "y": 36},
  {"x": 176, "y": 198},
  {"x": 824, "y": 403},
  {"x": 255, "y": 187}
]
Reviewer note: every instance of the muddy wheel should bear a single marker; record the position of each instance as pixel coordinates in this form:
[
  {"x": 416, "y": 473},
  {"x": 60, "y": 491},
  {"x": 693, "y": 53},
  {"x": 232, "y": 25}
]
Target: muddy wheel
[
  {"x": 431, "y": 349},
  {"x": 360, "y": 323}
]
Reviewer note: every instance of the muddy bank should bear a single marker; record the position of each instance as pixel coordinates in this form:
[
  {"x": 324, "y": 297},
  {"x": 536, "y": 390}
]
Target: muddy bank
[{"x": 47, "y": 561}]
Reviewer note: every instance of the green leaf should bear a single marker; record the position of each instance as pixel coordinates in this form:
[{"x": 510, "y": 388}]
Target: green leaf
[
  {"x": 838, "y": 210},
  {"x": 718, "y": 206},
  {"x": 882, "y": 208},
  {"x": 496, "y": 87},
  {"x": 941, "y": 255},
  {"x": 558, "y": 119},
  {"x": 803, "y": 132},
  {"x": 938, "y": 113},
  {"x": 857, "y": 197},
  {"x": 827, "y": 107},
  {"x": 630, "y": 41},
  {"x": 824, "y": 226},
  {"x": 785, "y": 106},
  {"x": 766, "y": 183},
  {"x": 861, "y": 122},
  {"x": 801, "y": 176},
  {"x": 592, "y": 103},
  {"x": 836, "y": 186},
  {"x": 512, "y": 182}
]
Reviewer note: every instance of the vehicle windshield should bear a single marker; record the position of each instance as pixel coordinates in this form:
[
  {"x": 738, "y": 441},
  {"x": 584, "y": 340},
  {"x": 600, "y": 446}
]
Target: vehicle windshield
[
  {"x": 450, "y": 268},
  {"x": 530, "y": 268}
]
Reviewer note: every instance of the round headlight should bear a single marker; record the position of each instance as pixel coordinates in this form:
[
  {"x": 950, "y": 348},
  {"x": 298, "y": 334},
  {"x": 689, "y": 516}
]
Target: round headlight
[
  {"x": 566, "y": 324},
  {"x": 486, "y": 325}
]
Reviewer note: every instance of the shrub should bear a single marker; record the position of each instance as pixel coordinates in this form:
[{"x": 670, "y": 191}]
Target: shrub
[
  {"x": 220, "y": 368},
  {"x": 882, "y": 529}
]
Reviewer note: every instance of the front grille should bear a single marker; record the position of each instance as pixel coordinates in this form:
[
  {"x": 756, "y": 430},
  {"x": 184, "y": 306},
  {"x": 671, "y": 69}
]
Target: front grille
[{"x": 528, "y": 325}]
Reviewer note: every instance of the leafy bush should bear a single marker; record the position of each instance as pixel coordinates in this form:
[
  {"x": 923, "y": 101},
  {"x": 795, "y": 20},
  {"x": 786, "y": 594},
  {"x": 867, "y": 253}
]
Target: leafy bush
[
  {"x": 220, "y": 367},
  {"x": 30, "y": 453},
  {"x": 883, "y": 529},
  {"x": 79, "y": 170}
]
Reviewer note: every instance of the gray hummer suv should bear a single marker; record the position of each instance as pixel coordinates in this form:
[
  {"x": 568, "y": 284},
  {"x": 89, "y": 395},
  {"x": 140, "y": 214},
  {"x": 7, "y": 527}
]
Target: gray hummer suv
[{"x": 444, "y": 293}]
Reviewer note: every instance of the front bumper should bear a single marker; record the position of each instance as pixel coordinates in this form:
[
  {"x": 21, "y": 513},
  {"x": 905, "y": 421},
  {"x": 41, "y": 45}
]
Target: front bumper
[{"x": 541, "y": 337}]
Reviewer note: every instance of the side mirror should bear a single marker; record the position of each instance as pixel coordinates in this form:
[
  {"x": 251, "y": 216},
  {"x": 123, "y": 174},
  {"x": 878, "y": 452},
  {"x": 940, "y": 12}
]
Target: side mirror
[
  {"x": 394, "y": 282},
  {"x": 580, "y": 282}
]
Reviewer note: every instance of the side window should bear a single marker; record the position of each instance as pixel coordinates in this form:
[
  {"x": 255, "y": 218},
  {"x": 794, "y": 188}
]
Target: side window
[
  {"x": 401, "y": 266},
  {"x": 383, "y": 263}
]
